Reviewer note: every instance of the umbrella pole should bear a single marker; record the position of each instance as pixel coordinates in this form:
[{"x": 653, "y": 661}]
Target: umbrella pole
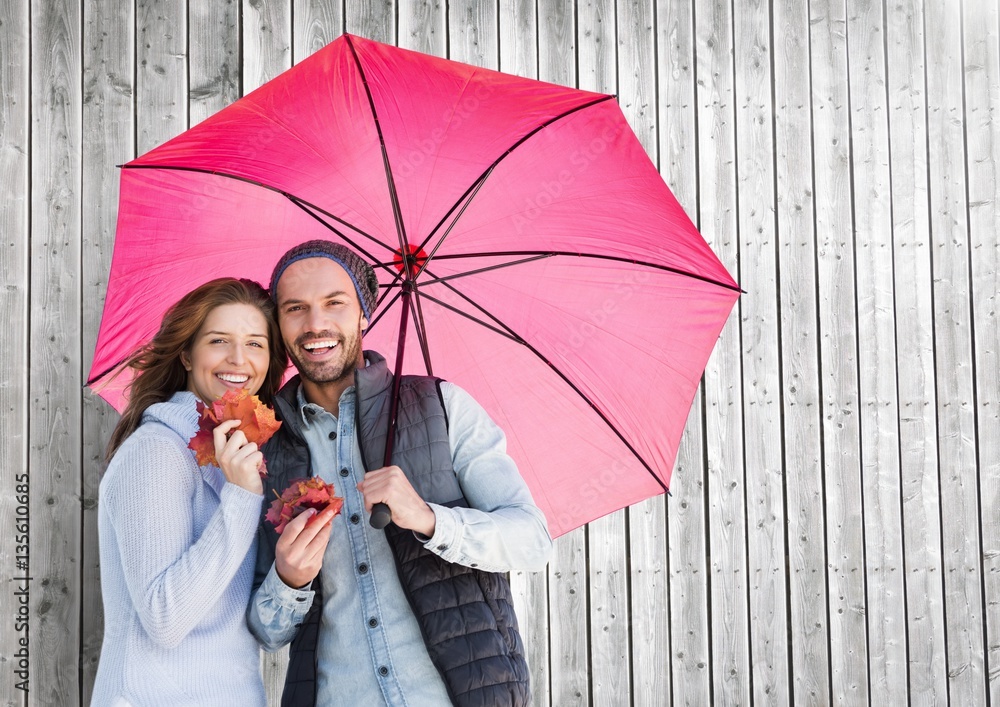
[{"x": 381, "y": 514}]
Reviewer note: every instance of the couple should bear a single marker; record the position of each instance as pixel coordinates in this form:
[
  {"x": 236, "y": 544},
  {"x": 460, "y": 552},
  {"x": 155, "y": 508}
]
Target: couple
[{"x": 193, "y": 582}]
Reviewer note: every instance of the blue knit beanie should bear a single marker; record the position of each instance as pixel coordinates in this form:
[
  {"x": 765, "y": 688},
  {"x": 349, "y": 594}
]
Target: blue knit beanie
[{"x": 365, "y": 281}]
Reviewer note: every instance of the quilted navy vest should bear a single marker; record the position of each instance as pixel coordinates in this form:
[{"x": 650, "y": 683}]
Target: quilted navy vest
[{"x": 466, "y": 615}]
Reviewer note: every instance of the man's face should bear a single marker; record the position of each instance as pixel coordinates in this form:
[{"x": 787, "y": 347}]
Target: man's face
[{"x": 321, "y": 319}]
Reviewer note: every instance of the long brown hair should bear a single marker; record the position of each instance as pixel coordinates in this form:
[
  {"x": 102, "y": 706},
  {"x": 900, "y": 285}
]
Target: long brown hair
[{"x": 159, "y": 372}]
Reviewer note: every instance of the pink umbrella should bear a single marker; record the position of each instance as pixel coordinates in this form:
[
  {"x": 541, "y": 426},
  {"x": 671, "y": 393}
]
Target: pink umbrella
[{"x": 527, "y": 248}]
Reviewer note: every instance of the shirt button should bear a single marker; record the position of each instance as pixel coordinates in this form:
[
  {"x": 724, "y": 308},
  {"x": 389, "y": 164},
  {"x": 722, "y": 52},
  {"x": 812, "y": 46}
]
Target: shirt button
[
  {"x": 372, "y": 622},
  {"x": 363, "y": 568},
  {"x": 383, "y": 671},
  {"x": 345, "y": 473},
  {"x": 333, "y": 435},
  {"x": 355, "y": 519}
]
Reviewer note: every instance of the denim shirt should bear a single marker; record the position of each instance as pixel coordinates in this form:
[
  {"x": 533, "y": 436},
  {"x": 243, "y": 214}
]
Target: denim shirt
[{"x": 370, "y": 645}]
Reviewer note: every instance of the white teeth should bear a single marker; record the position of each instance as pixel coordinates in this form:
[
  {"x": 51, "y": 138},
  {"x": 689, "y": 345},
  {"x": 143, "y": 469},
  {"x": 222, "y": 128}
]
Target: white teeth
[
  {"x": 319, "y": 345},
  {"x": 233, "y": 378}
]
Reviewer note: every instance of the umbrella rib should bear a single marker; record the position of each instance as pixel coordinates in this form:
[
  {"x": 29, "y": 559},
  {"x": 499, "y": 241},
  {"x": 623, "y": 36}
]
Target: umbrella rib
[
  {"x": 454, "y": 221},
  {"x": 482, "y": 177},
  {"x": 421, "y": 328},
  {"x": 309, "y": 209},
  {"x": 393, "y": 196},
  {"x": 532, "y": 255},
  {"x": 468, "y": 316},
  {"x": 314, "y": 211},
  {"x": 479, "y": 271},
  {"x": 384, "y": 309},
  {"x": 294, "y": 199},
  {"x": 516, "y": 337},
  {"x": 106, "y": 371}
]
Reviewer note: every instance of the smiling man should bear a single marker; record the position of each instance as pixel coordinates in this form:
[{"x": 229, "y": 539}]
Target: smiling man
[{"x": 420, "y": 613}]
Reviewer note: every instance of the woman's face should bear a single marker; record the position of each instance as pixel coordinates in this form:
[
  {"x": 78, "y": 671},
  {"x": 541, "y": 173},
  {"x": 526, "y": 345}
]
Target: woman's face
[{"x": 229, "y": 352}]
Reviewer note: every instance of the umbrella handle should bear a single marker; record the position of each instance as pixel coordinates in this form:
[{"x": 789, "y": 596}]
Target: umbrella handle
[{"x": 381, "y": 515}]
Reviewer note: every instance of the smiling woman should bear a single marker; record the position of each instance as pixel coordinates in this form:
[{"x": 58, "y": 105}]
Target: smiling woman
[
  {"x": 230, "y": 352},
  {"x": 176, "y": 572},
  {"x": 160, "y": 366}
]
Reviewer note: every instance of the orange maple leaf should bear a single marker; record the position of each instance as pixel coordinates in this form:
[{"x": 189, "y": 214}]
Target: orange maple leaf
[
  {"x": 300, "y": 495},
  {"x": 257, "y": 422}
]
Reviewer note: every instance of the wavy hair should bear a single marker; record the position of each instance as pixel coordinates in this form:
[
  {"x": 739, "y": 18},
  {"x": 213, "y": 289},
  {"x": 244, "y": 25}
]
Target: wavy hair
[{"x": 159, "y": 372}]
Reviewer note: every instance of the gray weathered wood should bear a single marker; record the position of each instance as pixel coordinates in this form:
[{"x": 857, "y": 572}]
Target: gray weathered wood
[
  {"x": 267, "y": 41},
  {"x": 568, "y": 621},
  {"x": 161, "y": 72},
  {"x": 374, "y": 19},
  {"x": 214, "y": 44},
  {"x": 880, "y": 312},
  {"x": 422, "y": 26},
  {"x": 731, "y": 671},
  {"x": 109, "y": 140},
  {"x": 54, "y": 410},
  {"x": 649, "y": 602},
  {"x": 914, "y": 335},
  {"x": 530, "y": 592},
  {"x": 687, "y": 639},
  {"x": 838, "y": 354},
  {"x": 956, "y": 422},
  {"x": 317, "y": 23},
  {"x": 876, "y": 343},
  {"x": 557, "y": 42},
  {"x": 473, "y": 33},
  {"x": 690, "y": 666},
  {"x": 14, "y": 296},
  {"x": 765, "y": 521},
  {"x": 981, "y": 42},
  {"x": 519, "y": 38},
  {"x": 807, "y": 595}
]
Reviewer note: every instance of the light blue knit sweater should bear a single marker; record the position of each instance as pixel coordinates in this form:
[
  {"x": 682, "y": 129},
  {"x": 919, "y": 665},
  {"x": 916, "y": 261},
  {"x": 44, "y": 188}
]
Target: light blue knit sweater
[{"x": 177, "y": 547}]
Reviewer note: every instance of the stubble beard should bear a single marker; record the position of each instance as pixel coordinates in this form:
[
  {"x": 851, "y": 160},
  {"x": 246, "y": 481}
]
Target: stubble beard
[{"x": 329, "y": 371}]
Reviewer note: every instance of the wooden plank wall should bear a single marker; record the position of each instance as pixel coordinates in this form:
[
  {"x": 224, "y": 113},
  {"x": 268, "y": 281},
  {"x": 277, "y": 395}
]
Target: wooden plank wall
[{"x": 833, "y": 534}]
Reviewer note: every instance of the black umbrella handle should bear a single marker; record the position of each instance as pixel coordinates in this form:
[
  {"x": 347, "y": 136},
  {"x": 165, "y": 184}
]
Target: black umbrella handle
[{"x": 381, "y": 516}]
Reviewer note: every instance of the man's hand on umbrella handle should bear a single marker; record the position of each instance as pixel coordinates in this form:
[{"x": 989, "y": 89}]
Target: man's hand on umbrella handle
[
  {"x": 390, "y": 486},
  {"x": 298, "y": 556}
]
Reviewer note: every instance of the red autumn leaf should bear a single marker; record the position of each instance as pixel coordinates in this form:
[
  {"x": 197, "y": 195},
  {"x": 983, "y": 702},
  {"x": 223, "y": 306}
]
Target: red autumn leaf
[
  {"x": 300, "y": 495},
  {"x": 203, "y": 444},
  {"x": 257, "y": 422}
]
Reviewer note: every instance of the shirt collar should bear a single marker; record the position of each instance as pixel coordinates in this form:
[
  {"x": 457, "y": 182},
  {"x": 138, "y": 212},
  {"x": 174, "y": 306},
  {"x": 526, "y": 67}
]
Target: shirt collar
[{"x": 308, "y": 410}]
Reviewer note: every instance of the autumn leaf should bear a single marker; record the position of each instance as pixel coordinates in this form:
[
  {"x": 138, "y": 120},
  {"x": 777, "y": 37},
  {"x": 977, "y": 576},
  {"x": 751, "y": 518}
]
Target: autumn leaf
[
  {"x": 300, "y": 495},
  {"x": 257, "y": 422},
  {"x": 203, "y": 444}
]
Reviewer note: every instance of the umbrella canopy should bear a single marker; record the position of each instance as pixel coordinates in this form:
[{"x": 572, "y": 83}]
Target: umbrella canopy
[{"x": 548, "y": 269}]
